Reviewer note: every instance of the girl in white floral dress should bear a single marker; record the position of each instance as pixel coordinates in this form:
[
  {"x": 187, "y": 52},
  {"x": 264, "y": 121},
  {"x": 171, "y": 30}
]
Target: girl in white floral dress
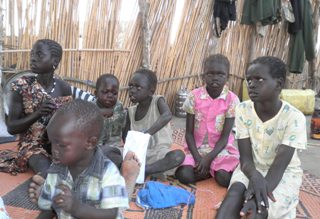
[{"x": 269, "y": 132}]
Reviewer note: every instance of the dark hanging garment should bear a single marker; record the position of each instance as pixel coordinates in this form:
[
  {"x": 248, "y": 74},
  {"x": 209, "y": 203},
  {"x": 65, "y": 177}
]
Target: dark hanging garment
[
  {"x": 264, "y": 11},
  {"x": 301, "y": 44},
  {"x": 223, "y": 12},
  {"x": 296, "y": 9}
]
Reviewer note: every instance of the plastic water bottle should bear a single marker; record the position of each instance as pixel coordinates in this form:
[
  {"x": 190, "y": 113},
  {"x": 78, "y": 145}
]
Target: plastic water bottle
[
  {"x": 3, "y": 212},
  {"x": 181, "y": 96}
]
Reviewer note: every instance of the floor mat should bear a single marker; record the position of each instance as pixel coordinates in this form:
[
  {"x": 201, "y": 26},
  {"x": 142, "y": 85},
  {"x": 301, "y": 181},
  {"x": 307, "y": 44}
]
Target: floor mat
[
  {"x": 7, "y": 139},
  {"x": 179, "y": 136},
  {"x": 208, "y": 195},
  {"x": 23, "y": 201}
]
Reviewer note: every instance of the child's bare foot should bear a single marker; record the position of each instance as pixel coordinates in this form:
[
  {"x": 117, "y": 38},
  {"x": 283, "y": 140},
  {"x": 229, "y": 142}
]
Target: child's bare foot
[
  {"x": 130, "y": 170},
  {"x": 130, "y": 166},
  {"x": 35, "y": 188}
]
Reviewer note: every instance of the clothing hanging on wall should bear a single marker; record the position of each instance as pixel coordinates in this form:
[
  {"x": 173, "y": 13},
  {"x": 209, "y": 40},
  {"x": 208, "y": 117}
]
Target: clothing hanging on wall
[
  {"x": 301, "y": 44},
  {"x": 261, "y": 11},
  {"x": 223, "y": 12}
]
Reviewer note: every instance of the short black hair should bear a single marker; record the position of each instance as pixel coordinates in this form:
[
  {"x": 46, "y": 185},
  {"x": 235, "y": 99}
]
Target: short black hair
[
  {"x": 150, "y": 75},
  {"x": 276, "y": 66},
  {"x": 217, "y": 58},
  {"x": 104, "y": 77},
  {"x": 88, "y": 117},
  {"x": 54, "y": 47}
]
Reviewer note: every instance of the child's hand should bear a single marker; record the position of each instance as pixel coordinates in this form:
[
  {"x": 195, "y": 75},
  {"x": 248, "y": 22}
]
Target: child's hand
[
  {"x": 203, "y": 166},
  {"x": 249, "y": 209},
  {"x": 258, "y": 187},
  {"x": 46, "y": 107},
  {"x": 197, "y": 158},
  {"x": 64, "y": 199}
]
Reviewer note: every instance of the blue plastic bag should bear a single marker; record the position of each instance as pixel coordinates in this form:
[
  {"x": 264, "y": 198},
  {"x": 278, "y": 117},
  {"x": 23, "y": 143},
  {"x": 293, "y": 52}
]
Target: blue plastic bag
[{"x": 157, "y": 195}]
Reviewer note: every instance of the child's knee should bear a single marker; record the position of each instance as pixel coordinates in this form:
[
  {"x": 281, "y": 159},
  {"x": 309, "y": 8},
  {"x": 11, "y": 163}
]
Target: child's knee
[
  {"x": 114, "y": 154},
  {"x": 232, "y": 204},
  {"x": 223, "y": 178},
  {"x": 39, "y": 164},
  {"x": 177, "y": 156},
  {"x": 237, "y": 189},
  {"x": 185, "y": 174}
]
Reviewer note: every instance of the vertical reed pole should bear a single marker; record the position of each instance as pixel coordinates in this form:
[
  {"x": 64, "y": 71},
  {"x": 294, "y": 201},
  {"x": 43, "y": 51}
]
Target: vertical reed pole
[
  {"x": 312, "y": 64},
  {"x": 1, "y": 42},
  {"x": 144, "y": 8}
]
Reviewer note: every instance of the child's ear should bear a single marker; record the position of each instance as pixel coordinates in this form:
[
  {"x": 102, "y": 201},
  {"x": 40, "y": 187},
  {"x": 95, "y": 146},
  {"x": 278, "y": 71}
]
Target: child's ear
[
  {"x": 91, "y": 143},
  {"x": 281, "y": 83},
  {"x": 152, "y": 90},
  {"x": 55, "y": 62}
]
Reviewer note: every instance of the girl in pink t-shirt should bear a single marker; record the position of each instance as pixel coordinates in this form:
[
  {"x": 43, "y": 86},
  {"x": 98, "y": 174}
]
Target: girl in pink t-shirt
[{"x": 210, "y": 149}]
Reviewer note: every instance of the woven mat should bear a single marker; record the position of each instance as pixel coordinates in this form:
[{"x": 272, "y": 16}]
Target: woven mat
[
  {"x": 208, "y": 195},
  {"x": 19, "y": 197},
  {"x": 7, "y": 139}
]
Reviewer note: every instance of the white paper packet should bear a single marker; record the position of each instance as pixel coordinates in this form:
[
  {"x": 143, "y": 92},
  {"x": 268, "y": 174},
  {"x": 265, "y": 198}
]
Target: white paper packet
[{"x": 138, "y": 142}]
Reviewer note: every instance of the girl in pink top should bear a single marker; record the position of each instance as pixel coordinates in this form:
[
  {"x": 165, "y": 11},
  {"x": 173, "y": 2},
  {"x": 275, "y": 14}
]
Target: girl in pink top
[{"x": 210, "y": 149}]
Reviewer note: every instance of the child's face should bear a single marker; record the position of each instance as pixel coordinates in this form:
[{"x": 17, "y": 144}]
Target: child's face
[
  {"x": 261, "y": 86},
  {"x": 41, "y": 60},
  {"x": 215, "y": 76},
  {"x": 107, "y": 93},
  {"x": 69, "y": 145},
  {"x": 139, "y": 88}
]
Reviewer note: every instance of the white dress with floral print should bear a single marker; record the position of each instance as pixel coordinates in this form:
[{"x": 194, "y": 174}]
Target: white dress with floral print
[{"x": 288, "y": 127}]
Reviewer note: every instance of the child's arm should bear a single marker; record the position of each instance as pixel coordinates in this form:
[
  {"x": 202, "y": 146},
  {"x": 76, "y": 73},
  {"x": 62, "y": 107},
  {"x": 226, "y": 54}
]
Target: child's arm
[
  {"x": 164, "y": 118},
  {"x": 16, "y": 122},
  {"x": 246, "y": 158},
  {"x": 190, "y": 138},
  {"x": 257, "y": 183},
  {"x": 126, "y": 127},
  {"x": 220, "y": 145},
  {"x": 272, "y": 179},
  {"x": 295, "y": 136},
  {"x": 279, "y": 165}
]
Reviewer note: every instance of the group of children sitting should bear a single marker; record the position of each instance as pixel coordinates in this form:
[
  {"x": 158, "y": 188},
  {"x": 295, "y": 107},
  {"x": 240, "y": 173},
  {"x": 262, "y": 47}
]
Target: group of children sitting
[{"x": 75, "y": 146}]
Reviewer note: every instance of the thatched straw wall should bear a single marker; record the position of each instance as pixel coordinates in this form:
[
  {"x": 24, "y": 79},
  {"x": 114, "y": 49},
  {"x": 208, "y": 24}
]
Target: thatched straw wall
[{"x": 117, "y": 48}]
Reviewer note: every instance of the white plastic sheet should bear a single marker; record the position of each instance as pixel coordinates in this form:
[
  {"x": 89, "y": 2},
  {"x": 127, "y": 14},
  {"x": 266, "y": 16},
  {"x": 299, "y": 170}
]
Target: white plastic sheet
[
  {"x": 3, "y": 212},
  {"x": 138, "y": 142}
]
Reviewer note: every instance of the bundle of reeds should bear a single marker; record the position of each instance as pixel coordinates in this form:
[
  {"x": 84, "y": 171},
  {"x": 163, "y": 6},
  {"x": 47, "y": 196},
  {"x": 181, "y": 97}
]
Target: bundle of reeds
[{"x": 111, "y": 45}]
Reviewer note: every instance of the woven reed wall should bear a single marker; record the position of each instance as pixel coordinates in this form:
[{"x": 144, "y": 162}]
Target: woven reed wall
[{"x": 117, "y": 47}]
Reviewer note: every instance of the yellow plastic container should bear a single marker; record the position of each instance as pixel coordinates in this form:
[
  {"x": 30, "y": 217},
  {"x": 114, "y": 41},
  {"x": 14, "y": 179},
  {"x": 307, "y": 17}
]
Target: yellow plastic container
[{"x": 304, "y": 100}]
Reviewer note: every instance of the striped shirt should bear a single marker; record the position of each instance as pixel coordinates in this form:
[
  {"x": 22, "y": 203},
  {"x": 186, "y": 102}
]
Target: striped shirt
[
  {"x": 100, "y": 186},
  {"x": 77, "y": 93}
]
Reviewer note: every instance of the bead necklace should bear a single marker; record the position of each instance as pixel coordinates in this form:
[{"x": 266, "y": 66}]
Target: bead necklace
[{"x": 53, "y": 87}]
